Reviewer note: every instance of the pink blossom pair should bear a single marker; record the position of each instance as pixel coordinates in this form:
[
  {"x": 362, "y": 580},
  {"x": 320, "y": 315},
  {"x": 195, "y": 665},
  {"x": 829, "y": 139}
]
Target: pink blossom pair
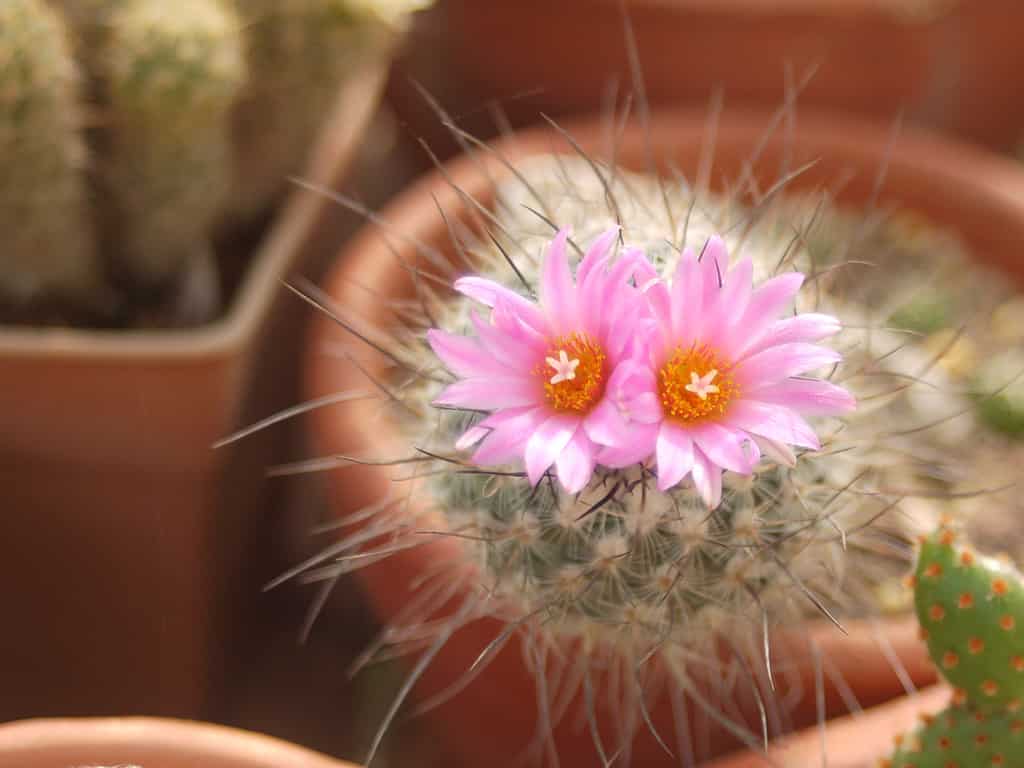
[{"x": 617, "y": 367}]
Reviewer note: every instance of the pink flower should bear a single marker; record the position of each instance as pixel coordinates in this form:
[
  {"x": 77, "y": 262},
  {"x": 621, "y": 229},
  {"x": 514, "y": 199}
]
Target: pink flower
[
  {"x": 721, "y": 379},
  {"x": 541, "y": 370}
]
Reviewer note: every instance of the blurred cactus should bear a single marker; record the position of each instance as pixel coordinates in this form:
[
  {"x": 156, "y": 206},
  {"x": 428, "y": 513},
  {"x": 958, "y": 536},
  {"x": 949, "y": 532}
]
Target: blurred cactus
[
  {"x": 171, "y": 121},
  {"x": 48, "y": 250},
  {"x": 999, "y": 385},
  {"x": 297, "y": 51},
  {"x": 971, "y": 610},
  {"x": 172, "y": 74}
]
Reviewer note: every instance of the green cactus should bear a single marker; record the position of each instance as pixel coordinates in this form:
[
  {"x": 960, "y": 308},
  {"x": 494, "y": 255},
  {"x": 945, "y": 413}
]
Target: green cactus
[
  {"x": 172, "y": 74},
  {"x": 999, "y": 390},
  {"x": 47, "y": 249},
  {"x": 926, "y": 312},
  {"x": 971, "y": 610},
  {"x": 298, "y": 52},
  {"x": 962, "y": 738}
]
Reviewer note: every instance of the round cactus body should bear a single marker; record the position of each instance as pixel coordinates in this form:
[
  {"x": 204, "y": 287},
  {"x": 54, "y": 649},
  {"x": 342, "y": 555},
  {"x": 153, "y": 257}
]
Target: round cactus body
[
  {"x": 47, "y": 249},
  {"x": 171, "y": 73}
]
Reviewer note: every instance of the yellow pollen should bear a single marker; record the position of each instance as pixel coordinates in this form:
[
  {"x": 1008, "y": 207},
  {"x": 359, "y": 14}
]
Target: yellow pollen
[
  {"x": 694, "y": 384},
  {"x": 573, "y": 373}
]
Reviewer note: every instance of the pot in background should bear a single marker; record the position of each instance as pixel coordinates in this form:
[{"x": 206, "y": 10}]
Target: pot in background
[
  {"x": 147, "y": 743},
  {"x": 952, "y": 65},
  {"x": 133, "y": 549}
]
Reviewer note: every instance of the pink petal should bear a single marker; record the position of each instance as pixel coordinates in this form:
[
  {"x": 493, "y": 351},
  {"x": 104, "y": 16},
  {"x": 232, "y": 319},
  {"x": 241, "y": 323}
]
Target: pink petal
[
  {"x": 687, "y": 300},
  {"x": 557, "y": 289},
  {"x": 714, "y": 262},
  {"x": 674, "y": 451},
  {"x": 725, "y": 333},
  {"x": 809, "y": 326},
  {"x": 510, "y": 429},
  {"x": 491, "y": 393},
  {"x": 776, "y": 451},
  {"x": 772, "y": 421},
  {"x": 509, "y": 320},
  {"x": 488, "y": 292},
  {"x": 598, "y": 252},
  {"x": 464, "y": 356},
  {"x": 605, "y": 424},
  {"x": 518, "y": 351},
  {"x": 471, "y": 437},
  {"x": 771, "y": 297},
  {"x": 707, "y": 478},
  {"x": 638, "y": 449},
  {"x": 781, "y": 362},
  {"x": 575, "y": 464},
  {"x": 722, "y": 446},
  {"x": 805, "y": 396},
  {"x": 732, "y": 300},
  {"x": 616, "y": 308},
  {"x": 546, "y": 442},
  {"x": 655, "y": 291},
  {"x": 632, "y": 388}
]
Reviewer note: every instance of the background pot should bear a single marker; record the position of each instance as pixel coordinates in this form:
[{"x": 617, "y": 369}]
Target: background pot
[
  {"x": 132, "y": 548},
  {"x": 147, "y": 742},
  {"x": 949, "y": 64},
  {"x": 977, "y": 195}
]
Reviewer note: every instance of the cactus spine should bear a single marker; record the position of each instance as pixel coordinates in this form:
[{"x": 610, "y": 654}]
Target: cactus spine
[
  {"x": 44, "y": 217},
  {"x": 971, "y": 610}
]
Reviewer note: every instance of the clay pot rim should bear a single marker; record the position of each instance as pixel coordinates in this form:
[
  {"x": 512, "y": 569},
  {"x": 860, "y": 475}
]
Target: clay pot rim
[
  {"x": 214, "y": 741},
  {"x": 831, "y": 8},
  {"x": 269, "y": 264}
]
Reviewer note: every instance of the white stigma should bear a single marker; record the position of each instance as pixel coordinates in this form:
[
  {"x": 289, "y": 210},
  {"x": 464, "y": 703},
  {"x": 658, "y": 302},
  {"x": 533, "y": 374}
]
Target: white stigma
[
  {"x": 701, "y": 386},
  {"x": 565, "y": 369}
]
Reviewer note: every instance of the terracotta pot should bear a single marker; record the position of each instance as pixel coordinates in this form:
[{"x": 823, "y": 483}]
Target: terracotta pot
[
  {"x": 950, "y": 64},
  {"x": 850, "y": 742},
  {"x": 979, "y": 196},
  {"x": 149, "y": 743},
  {"x": 130, "y": 542}
]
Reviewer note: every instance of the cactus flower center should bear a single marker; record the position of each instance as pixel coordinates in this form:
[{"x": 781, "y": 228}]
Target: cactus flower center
[
  {"x": 573, "y": 373},
  {"x": 694, "y": 384}
]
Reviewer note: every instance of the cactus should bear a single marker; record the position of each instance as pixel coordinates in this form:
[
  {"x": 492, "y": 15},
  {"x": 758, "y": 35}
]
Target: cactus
[
  {"x": 47, "y": 250},
  {"x": 999, "y": 392},
  {"x": 297, "y": 51},
  {"x": 154, "y": 112},
  {"x": 623, "y": 568},
  {"x": 171, "y": 75},
  {"x": 971, "y": 610},
  {"x": 962, "y": 738}
]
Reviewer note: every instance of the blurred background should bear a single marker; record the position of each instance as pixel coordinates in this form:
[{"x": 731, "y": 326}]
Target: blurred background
[{"x": 137, "y": 556}]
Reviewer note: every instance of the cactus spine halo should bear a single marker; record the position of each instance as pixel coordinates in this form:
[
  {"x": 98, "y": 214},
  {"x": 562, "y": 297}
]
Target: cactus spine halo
[{"x": 627, "y": 585}]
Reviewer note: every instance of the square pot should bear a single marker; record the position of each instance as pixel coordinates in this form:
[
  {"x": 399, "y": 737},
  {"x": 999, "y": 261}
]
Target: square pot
[{"x": 130, "y": 541}]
